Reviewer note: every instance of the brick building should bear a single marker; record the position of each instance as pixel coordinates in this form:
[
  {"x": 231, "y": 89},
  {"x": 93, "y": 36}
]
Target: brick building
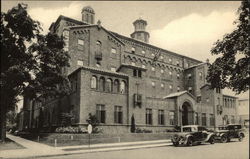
[{"x": 115, "y": 77}]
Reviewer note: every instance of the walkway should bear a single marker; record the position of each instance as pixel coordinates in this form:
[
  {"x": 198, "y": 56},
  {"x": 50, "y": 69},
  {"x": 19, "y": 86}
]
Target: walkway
[{"x": 34, "y": 149}]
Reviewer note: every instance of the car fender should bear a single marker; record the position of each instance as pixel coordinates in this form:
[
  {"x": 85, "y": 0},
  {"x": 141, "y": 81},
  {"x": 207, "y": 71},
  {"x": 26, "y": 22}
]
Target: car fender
[
  {"x": 187, "y": 137},
  {"x": 209, "y": 136},
  {"x": 222, "y": 134}
]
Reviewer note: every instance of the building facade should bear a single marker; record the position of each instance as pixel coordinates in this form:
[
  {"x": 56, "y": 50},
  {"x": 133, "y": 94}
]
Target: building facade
[
  {"x": 243, "y": 111},
  {"x": 116, "y": 77}
]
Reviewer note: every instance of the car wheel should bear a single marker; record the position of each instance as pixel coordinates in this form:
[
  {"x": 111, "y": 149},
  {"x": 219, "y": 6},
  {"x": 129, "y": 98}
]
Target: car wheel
[
  {"x": 240, "y": 137},
  {"x": 175, "y": 143},
  {"x": 223, "y": 139},
  {"x": 211, "y": 141},
  {"x": 190, "y": 142}
]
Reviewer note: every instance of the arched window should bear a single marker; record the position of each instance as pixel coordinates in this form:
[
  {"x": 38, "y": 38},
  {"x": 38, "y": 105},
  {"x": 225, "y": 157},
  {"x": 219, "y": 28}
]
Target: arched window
[
  {"x": 109, "y": 85},
  {"x": 102, "y": 84},
  {"x": 94, "y": 82},
  {"x": 98, "y": 46},
  {"x": 116, "y": 86},
  {"x": 123, "y": 87}
]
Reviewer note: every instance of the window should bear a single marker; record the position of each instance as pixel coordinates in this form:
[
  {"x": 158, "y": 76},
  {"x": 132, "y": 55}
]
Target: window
[
  {"x": 200, "y": 75},
  {"x": 149, "y": 116},
  {"x": 178, "y": 76},
  {"x": 161, "y": 117},
  {"x": 190, "y": 89},
  {"x": 170, "y": 74},
  {"x": 132, "y": 63},
  {"x": 217, "y": 90},
  {"x": 161, "y": 57},
  {"x": 171, "y": 118},
  {"x": 171, "y": 87},
  {"x": 102, "y": 84},
  {"x": 207, "y": 100},
  {"x": 143, "y": 52},
  {"x": 178, "y": 89},
  {"x": 73, "y": 84},
  {"x": 80, "y": 42},
  {"x": 133, "y": 50},
  {"x": 65, "y": 33},
  {"x": 122, "y": 87},
  {"x": 198, "y": 99},
  {"x": 211, "y": 120},
  {"x": 109, "y": 85},
  {"x": 203, "y": 119},
  {"x": 98, "y": 53},
  {"x": 170, "y": 60},
  {"x": 162, "y": 71},
  {"x": 113, "y": 50},
  {"x": 153, "y": 54},
  {"x": 118, "y": 114},
  {"x": 100, "y": 113},
  {"x": 162, "y": 85},
  {"x": 66, "y": 47},
  {"x": 153, "y": 84},
  {"x": 93, "y": 82},
  {"x": 116, "y": 86},
  {"x": 153, "y": 69},
  {"x": 113, "y": 69},
  {"x": 79, "y": 62},
  {"x": 189, "y": 76},
  {"x": 177, "y": 63},
  {"x": 196, "y": 118},
  {"x": 137, "y": 73}
]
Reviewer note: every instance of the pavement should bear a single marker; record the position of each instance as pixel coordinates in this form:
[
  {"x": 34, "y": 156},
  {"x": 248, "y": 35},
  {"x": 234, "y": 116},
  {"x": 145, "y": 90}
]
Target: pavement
[{"x": 35, "y": 149}]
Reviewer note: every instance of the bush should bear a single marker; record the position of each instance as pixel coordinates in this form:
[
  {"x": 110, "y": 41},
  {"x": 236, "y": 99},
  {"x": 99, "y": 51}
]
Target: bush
[
  {"x": 139, "y": 130},
  {"x": 70, "y": 129}
]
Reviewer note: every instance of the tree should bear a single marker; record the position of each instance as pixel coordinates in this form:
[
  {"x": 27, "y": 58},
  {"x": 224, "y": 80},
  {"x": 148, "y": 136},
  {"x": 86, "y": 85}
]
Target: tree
[
  {"x": 31, "y": 63},
  {"x": 132, "y": 129},
  {"x": 232, "y": 68},
  {"x": 93, "y": 120}
]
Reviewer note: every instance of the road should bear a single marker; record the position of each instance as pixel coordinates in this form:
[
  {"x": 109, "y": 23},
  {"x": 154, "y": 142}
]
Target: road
[{"x": 232, "y": 150}]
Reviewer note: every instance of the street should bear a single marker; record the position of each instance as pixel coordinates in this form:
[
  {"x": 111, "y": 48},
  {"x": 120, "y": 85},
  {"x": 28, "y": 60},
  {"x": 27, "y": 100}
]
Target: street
[{"x": 232, "y": 150}]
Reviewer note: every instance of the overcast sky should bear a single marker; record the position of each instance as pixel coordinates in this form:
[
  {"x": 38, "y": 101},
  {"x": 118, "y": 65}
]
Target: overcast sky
[{"x": 187, "y": 28}]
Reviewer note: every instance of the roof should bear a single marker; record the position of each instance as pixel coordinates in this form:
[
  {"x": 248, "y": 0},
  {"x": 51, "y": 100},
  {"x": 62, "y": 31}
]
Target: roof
[
  {"x": 203, "y": 63},
  {"x": 99, "y": 70},
  {"x": 152, "y": 46},
  {"x": 177, "y": 94},
  {"x": 131, "y": 66},
  {"x": 95, "y": 25},
  {"x": 229, "y": 96}
]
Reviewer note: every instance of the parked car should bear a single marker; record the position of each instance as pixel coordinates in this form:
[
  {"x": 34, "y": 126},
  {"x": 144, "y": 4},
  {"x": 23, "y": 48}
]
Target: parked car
[
  {"x": 227, "y": 132},
  {"x": 191, "y": 135}
]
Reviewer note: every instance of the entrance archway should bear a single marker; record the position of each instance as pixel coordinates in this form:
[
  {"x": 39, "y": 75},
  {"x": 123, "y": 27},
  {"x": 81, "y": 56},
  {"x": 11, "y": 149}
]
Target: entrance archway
[{"x": 187, "y": 114}]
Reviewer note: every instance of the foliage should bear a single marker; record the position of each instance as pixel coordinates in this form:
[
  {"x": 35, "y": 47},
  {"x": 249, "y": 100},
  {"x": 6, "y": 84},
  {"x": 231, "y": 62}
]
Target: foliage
[
  {"x": 31, "y": 63},
  {"x": 93, "y": 120},
  {"x": 232, "y": 68},
  {"x": 66, "y": 119},
  {"x": 11, "y": 120},
  {"x": 70, "y": 129},
  {"x": 132, "y": 129}
]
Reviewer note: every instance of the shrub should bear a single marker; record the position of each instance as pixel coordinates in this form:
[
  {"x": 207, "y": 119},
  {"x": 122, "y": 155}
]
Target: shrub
[
  {"x": 139, "y": 130},
  {"x": 70, "y": 129}
]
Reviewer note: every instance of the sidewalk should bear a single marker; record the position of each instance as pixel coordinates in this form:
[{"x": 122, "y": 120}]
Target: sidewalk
[{"x": 34, "y": 149}]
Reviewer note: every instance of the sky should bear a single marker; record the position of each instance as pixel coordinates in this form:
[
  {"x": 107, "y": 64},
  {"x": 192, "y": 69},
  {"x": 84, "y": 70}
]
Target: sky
[{"x": 186, "y": 27}]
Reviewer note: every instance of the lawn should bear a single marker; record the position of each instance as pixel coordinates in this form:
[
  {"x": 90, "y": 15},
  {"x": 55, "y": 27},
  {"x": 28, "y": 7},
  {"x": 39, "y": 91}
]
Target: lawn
[{"x": 9, "y": 145}]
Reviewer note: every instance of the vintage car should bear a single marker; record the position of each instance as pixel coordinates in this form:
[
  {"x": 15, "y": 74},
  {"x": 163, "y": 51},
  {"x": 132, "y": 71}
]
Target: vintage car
[
  {"x": 191, "y": 135},
  {"x": 227, "y": 132}
]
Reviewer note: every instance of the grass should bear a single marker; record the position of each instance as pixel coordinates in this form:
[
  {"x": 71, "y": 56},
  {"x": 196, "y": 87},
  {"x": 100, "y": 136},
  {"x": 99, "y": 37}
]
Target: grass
[{"x": 9, "y": 145}]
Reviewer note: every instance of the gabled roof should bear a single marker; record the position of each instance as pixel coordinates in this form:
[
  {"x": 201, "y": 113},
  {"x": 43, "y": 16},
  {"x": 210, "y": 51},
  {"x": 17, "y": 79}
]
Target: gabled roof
[
  {"x": 100, "y": 27},
  {"x": 177, "y": 94}
]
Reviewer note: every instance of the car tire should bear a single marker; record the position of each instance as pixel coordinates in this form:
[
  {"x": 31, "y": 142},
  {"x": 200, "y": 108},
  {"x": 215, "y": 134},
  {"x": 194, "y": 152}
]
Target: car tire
[
  {"x": 211, "y": 140},
  {"x": 240, "y": 137},
  {"x": 223, "y": 139},
  {"x": 175, "y": 144},
  {"x": 190, "y": 142}
]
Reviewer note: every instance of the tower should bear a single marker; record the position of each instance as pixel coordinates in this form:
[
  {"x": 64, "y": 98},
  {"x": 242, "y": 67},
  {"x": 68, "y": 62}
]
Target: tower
[
  {"x": 140, "y": 32},
  {"x": 88, "y": 15}
]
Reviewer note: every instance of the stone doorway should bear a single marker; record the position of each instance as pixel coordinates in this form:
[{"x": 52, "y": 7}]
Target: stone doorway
[{"x": 187, "y": 114}]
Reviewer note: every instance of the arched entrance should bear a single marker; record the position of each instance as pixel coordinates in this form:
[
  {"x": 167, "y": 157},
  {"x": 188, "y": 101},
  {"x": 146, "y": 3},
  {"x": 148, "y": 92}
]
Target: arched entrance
[{"x": 187, "y": 114}]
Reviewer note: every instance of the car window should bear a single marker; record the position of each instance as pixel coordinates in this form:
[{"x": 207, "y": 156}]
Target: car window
[
  {"x": 201, "y": 128},
  {"x": 188, "y": 129}
]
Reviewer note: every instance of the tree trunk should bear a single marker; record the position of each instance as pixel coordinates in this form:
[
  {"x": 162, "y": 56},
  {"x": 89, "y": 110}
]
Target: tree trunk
[{"x": 3, "y": 122}]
